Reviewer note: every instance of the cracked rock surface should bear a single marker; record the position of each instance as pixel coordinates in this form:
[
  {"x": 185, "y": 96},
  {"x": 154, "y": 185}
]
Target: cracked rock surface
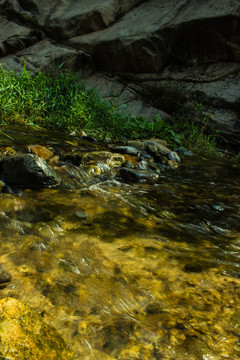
[{"x": 123, "y": 46}]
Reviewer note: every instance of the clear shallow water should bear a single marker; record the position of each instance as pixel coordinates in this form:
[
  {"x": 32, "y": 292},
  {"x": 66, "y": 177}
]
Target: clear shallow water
[{"x": 129, "y": 271}]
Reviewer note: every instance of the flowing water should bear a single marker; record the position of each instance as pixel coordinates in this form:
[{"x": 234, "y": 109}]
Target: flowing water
[{"x": 131, "y": 271}]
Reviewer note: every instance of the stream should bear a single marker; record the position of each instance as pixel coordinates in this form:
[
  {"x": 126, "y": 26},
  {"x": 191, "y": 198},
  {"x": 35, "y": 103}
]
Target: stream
[{"x": 129, "y": 271}]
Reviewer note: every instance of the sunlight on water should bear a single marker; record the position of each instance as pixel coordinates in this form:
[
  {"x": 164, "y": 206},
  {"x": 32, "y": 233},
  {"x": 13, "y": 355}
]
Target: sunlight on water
[{"x": 132, "y": 271}]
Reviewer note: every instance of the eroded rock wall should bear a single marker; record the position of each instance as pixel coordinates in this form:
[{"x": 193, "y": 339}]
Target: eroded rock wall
[{"x": 191, "y": 45}]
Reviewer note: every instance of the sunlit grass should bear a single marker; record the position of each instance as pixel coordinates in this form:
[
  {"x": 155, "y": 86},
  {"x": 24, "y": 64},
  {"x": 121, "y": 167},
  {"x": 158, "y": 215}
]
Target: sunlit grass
[{"x": 62, "y": 102}]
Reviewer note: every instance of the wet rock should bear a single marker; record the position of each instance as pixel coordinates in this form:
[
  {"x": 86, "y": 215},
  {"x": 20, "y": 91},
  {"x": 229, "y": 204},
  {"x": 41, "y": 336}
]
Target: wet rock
[
  {"x": 28, "y": 171},
  {"x": 145, "y": 154},
  {"x": 105, "y": 157},
  {"x": 89, "y": 138},
  {"x": 128, "y": 164},
  {"x": 156, "y": 147},
  {"x": 161, "y": 159},
  {"x": 172, "y": 164},
  {"x": 138, "y": 175},
  {"x": 130, "y": 150},
  {"x": 94, "y": 158},
  {"x": 142, "y": 165},
  {"x": 174, "y": 156},
  {"x": 75, "y": 157},
  {"x": 40, "y": 151},
  {"x": 152, "y": 166},
  {"x": 24, "y": 335},
  {"x": 136, "y": 144},
  {"x": 152, "y": 149},
  {"x": 181, "y": 150},
  {"x": 6, "y": 151},
  {"x": 92, "y": 169},
  {"x": 133, "y": 159}
]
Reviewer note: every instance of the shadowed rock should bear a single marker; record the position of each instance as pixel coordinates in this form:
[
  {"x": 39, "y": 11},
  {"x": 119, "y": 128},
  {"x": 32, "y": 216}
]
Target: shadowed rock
[
  {"x": 28, "y": 171},
  {"x": 135, "y": 175}
]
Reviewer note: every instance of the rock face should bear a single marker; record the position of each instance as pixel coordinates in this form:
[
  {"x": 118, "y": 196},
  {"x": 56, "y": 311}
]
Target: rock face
[
  {"x": 23, "y": 334},
  {"x": 28, "y": 171},
  {"x": 193, "y": 46}
]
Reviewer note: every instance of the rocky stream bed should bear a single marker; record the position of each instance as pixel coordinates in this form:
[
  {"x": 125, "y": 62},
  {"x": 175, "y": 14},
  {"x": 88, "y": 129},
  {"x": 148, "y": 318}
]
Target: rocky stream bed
[{"x": 116, "y": 251}]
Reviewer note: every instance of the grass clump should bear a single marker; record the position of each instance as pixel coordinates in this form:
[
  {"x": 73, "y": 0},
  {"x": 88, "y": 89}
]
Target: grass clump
[{"x": 61, "y": 101}]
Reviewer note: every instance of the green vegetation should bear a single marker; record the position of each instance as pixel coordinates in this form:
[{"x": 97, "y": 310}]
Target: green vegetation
[{"x": 61, "y": 101}]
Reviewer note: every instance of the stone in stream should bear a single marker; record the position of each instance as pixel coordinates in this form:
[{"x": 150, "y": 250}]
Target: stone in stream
[
  {"x": 24, "y": 335},
  {"x": 174, "y": 157},
  {"x": 138, "y": 175},
  {"x": 142, "y": 165},
  {"x": 28, "y": 171},
  {"x": 128, "y": 164},
  {"x": 156, "y": 147},
  {"x": 154, "y": 307},
  {"x": 122, "y": 149},
  {"x": 40, "y": 151},
  {"x": 93, "y": 158},
  {"x": 5, "y": 276}
]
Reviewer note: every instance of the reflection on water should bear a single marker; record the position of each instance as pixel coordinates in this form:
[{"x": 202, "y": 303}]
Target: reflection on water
[{"x": 132, "y": 271}]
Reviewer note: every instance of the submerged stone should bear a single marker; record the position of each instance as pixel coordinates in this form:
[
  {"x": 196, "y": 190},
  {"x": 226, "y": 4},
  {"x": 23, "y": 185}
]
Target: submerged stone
[
  {"x": 138, "y": 175},
  {"x": 28, "y": 171},
  {"x": 154, "y": 308},
  {"x": 24, "y": 335},
  {"x": 193, "y": 268},
  {"x": 5, "y": 276}
]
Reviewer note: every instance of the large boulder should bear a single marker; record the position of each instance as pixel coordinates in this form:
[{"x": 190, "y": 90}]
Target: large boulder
[
  {"x": 24, "y": 335},
  {"x": 193, "y": 46},
  {"x": 28, "y": 171}
]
